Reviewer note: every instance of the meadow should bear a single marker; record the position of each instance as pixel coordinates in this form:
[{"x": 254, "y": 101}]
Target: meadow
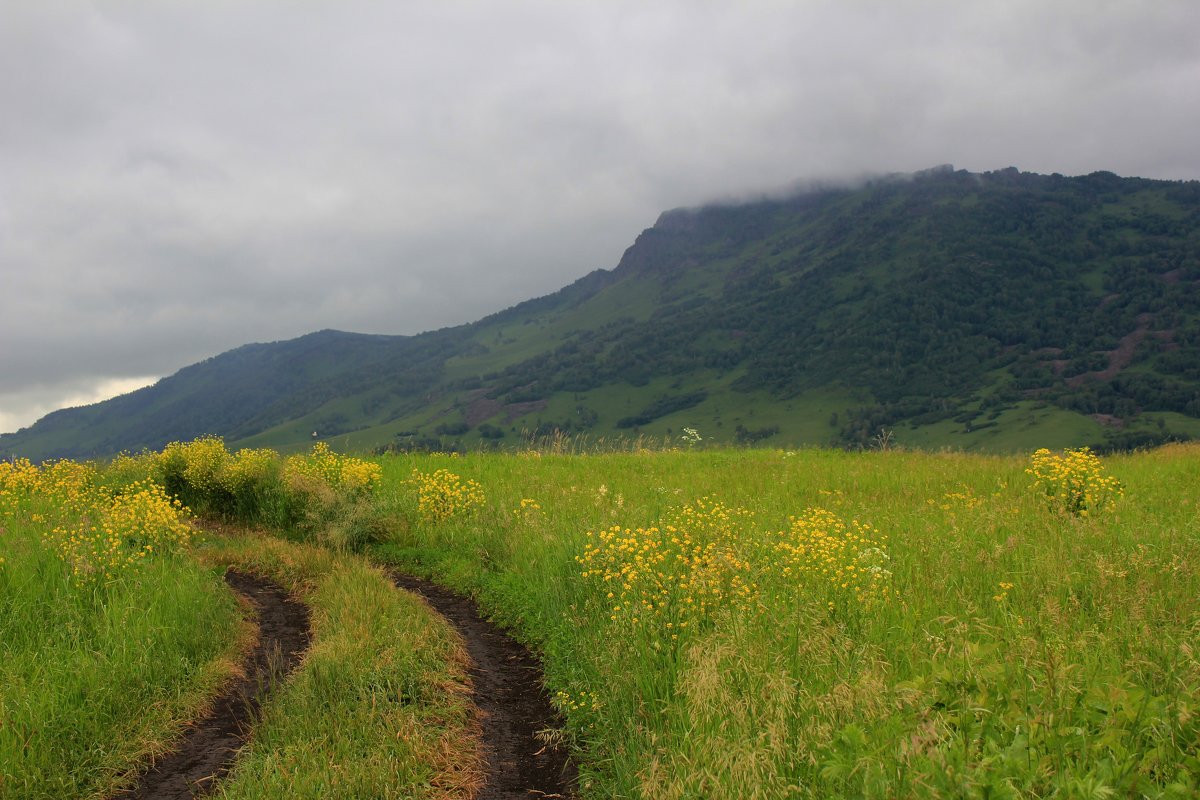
[
  {"x": 712, "y": 623},
  {"x": 116, "y": 631},
  {"x": 95, "y": 671},
  {"x": 828, "y": 624}
]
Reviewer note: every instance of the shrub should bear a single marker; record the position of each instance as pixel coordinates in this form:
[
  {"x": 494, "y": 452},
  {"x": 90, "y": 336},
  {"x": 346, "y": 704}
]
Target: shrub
[
  {"x": 1074, "y": 482},
  {"x": 442, "y": 495},
  {"x": 98, "y": 533}
]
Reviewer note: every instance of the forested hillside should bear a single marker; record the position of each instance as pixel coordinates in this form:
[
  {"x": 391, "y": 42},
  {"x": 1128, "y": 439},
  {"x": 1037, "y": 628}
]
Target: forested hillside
[{"x": 993, "y": 311}]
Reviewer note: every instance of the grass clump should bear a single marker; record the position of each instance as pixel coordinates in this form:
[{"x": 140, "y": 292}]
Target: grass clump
[
  {"x": 1073, "y": 482},
  {"x": 319, "y": 494}
]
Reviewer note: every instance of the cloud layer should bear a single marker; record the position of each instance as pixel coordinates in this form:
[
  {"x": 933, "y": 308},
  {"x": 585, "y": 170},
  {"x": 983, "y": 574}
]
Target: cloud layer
[{"x": 180, "y": 178}]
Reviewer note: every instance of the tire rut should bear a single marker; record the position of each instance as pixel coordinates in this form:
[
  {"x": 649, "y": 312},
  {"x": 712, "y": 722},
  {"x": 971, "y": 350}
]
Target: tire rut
[
  {"x": 208, "y": 750},
  {"x": 514, "y": 707}
]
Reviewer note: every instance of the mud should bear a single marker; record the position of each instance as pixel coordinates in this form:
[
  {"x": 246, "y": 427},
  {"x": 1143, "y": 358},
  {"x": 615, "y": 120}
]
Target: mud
[
  {"x": 515, "y": 712},
  {"x": 514, "y": 708},
  {"x": 208, "y": 750}
]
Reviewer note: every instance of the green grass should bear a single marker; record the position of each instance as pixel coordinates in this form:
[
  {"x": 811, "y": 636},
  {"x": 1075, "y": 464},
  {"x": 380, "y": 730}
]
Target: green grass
[
  {"x": 103, "y": 665},
  {"x": 1028, "y": 654},
  {"x": 989, "y": 647},
  {"x": 94, "y": 682},
  {"x": 1022, "y": 428},
  {"x": 804, "y": 418},
  {"x": 379, "y": 707}
]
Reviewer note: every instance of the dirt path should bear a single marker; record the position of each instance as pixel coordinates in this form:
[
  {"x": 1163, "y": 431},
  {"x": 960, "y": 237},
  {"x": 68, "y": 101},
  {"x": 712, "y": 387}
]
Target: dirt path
[
  {"x": 507, "y": 684},
  {"x": 208, "y": 750},
  {"x": 508, "y": 691}
]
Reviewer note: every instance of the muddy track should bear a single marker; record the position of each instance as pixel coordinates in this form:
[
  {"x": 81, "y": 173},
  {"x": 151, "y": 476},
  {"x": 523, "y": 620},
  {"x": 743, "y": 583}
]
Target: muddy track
[
  {"x": 513, "y": 704},
  {"x": 207, "y": 751}
]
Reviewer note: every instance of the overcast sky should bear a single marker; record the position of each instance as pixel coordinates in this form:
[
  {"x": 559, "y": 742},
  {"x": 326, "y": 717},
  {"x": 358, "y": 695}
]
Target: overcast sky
[{"x": 179, "y": 178}]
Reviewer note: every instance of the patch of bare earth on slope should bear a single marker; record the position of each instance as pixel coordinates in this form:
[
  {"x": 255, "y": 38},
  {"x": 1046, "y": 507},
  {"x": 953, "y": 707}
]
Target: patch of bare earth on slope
[
  {"x": 1122, "y": 356},
  {"x": 515, "y": 712},
  {"x": 207, "y": 751}
]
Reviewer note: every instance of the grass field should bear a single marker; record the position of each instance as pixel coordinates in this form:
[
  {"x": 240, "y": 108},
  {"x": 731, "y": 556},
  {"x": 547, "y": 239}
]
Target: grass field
[
  {"x": 1009, "y": 651},
  {"x": 112, "y": 642},
  {"x": 717, "y": 623}
]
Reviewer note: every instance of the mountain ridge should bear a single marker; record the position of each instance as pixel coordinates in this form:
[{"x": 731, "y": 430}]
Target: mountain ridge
[{"x": 983, "y": 310}]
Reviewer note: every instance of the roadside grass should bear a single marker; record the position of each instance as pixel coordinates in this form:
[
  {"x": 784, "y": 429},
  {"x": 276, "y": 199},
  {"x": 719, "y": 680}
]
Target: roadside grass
[
  {"x": 1022, "y": 652},
  {"x": 97, "y": 675},
  {"x": 116, "y": 631},
  {"x": 379, "y": 707}
]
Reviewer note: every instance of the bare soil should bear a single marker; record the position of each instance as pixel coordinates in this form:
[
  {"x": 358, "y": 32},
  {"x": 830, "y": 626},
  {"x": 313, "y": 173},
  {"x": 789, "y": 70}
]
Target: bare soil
[
  {"x": 515, "y": 712},
  {"x": 208, "y": 749},
  {"x": 1121, "y": 357}
]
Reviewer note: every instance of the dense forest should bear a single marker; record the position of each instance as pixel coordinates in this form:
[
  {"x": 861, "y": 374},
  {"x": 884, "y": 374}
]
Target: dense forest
[{"x": 931, "y": 294}]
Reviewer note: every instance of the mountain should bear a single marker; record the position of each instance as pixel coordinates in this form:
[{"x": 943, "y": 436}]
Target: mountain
[{"x": 996, "y": 311}]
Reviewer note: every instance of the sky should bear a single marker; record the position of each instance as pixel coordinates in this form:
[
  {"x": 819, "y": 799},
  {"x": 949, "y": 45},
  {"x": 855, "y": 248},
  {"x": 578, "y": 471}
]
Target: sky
[{"x": 180, "y": 178}]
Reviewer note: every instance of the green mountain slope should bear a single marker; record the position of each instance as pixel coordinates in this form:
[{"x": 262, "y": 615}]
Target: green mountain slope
[{"x": 997, "y": 311}]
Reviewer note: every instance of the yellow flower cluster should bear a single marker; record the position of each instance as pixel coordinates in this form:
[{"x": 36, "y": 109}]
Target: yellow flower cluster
[
  {"x": 203, "y": 462},
  {"x": 675, "y": 575},
  {"x": 965, "y": 499},
  {"x": 17, "y": 480},
  {"x": 205, "y": 468},
  {"x": 344, "y": 474},
  {"x": 530, "y": 511},
  {"x": 1074, "y": 482},
  {"x": 17, "y": 474},
  {"x": 442, "y": 494},
  {"x": 96, "y": 533},
  {"x": 583, "y": 700},
  {"x": 247, "y": 468},
  {"x": 129, "y": 527},
  {"x": 63, "y": 490},
  {"x": 841, "y": 561}
]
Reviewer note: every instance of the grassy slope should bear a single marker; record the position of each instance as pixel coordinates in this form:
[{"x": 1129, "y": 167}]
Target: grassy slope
[
  {"x": 1027, "y": 653},
  {"x": 803, "y": 420}
]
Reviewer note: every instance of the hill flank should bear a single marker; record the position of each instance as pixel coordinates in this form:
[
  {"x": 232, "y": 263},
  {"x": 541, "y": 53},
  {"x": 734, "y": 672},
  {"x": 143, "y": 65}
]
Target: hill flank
[{"x": 995, "y": 311}]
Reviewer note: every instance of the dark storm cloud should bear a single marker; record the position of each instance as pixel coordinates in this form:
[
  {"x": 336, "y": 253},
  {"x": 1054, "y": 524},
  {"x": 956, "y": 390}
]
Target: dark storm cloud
[{"x": 180, "y": 178}]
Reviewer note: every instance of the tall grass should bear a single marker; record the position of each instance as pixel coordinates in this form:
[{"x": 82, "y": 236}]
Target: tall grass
[
  {"x": 113, "y": 635},
  {"x": 1020, "y": 651},
  {"x": 759, "y": 624},
  {"x": 101, "y": 663}
]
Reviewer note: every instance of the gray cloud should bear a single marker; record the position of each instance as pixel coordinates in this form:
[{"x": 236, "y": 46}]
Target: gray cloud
[{"x": 180, "y": 178}]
